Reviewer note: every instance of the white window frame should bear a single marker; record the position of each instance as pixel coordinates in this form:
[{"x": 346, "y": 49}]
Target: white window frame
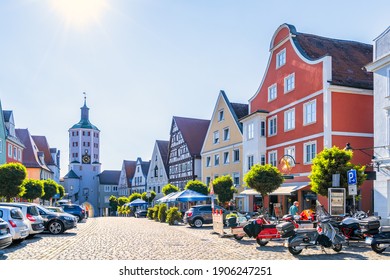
[
  {"x": 273, "y": 158},
  {"x": 272, "y": 92},
  {"x": 216, "y": 160},
  {"x": 250, "y": 131},
  {"x": 208, "y": 161},
  {"x": 289, "y": 119},
  {"x": 226, "y": 136},
  {"x": 310, "y": 112},
  {"x": 289, "y": 83},
  {"x": 250, "y": 161},
  {"x": 313, "y": 153},
  {"x": 291, "y": 152},
  {"x": 107, "y": 188},
  {"x": 281, "y": 58},
  {"x": 216, "y": 137},
  {"x": 221, "y": 115},
  {"x": 262, "y": 159},
  {"x": 10, "y": 151},
  {"x": 226, "y": 158},
  {"x": 271, "y": 131}
]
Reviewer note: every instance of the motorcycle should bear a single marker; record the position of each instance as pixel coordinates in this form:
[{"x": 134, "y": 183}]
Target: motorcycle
[
  {"x": 358, "y": 226},
  {"x": 380, "y": 241},
  {"x": 264, "y": 231},
  {"x": 325, "y": 235}
]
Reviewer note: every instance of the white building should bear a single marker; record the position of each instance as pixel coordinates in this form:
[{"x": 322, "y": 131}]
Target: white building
[
  {"x": 381, "y": 69},
  {"x": 157, "y": 175}
]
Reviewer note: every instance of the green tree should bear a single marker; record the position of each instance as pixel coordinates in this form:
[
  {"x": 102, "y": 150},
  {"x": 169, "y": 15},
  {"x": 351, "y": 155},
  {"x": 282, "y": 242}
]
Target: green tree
[
  {"x": 61, "y": 191},
  {"x": 162, "y": 212},
  {"x": 169, "y": 188},
  {"x": 12, "y": 176},
  {"x": 223, "y": 187},
  {"x": 33, "y": 189},
  {"x": 122, "y": 200},
  {"x": 134, "y": 196},
  {"x": 263, "y": 178},
  {"x": 50, "y": 189},
  {"x": 333, "y": 161},
  {"x": 151, "y": 197},
  {"x": 197, "y": 186},
  {"x": 113, "y": 201}
]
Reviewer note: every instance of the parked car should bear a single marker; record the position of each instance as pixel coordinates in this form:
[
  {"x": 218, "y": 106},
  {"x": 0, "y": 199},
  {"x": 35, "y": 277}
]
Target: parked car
[
  {"x": 76, "y": 210},
  {"x": 55, "y": 223},
  {"x": 16, "y": 222},
  {"x": 55, "y": 209},
  {"x": 199, "y": 215},
  {"x": 34, "y": 220},
  {"x": 5, "y": 235},
  {"x": 141, "y": 213}
]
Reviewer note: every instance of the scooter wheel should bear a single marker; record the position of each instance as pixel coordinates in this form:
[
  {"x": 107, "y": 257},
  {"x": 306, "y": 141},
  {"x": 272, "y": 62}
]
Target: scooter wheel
[
  {"x": 238, "y": 237},
  {"x": 377, "y": 248},
  {"x": 261, "y": 242},
  {"x": 337, "y": 247},
  {"x": 294, "y": 251}
]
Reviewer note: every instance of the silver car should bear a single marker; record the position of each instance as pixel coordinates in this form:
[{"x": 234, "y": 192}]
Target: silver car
[
  {"x": 16, "y": 222},
  {"x": 34, "y": 220}
]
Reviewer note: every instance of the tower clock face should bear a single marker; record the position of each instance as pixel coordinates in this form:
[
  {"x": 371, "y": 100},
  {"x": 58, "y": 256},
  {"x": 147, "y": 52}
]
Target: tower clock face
[{"x": 86, "y": 159}]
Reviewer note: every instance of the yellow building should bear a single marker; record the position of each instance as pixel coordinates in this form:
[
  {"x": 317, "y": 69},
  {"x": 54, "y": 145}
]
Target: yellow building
[{"x": 222, "y": 149}]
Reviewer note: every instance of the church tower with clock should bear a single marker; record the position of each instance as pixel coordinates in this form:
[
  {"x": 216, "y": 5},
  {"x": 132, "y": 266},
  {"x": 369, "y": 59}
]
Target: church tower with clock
[{"x": 81, "y": 182}]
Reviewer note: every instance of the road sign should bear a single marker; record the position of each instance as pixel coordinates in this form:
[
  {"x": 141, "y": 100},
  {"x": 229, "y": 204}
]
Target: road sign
[
  {"x": 351, "y": 174},
  {"x": 352, "y": 190}
]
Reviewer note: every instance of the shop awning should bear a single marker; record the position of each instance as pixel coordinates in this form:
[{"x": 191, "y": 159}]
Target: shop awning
[
  {"x": 250, "y": 192},
  {"x": 287, "y": 190}
]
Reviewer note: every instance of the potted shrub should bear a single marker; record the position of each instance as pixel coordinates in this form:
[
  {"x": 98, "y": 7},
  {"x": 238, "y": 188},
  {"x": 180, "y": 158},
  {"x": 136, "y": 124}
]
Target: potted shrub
[
  {"x": 173, "y": 216},
  {"x": 162, "y": 212}
]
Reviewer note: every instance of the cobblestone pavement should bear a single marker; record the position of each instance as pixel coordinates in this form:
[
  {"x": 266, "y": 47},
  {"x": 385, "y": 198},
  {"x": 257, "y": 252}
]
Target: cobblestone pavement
[{"x": 121, "y": 238}]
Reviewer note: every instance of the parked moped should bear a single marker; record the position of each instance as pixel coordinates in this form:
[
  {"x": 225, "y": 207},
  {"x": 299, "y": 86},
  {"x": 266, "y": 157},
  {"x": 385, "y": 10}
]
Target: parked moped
[{"x": 325, "y": 235}]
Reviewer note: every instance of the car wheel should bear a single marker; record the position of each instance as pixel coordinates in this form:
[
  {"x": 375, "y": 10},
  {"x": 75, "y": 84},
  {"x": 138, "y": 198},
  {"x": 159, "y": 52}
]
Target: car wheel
[
  {"x": 377, "y": 248},
  {"x": 198, "y": 223},
  {"x": 78, "y": 219},
  {"x": 56, "y": 227},
  {"x": 337, "y": 247}
]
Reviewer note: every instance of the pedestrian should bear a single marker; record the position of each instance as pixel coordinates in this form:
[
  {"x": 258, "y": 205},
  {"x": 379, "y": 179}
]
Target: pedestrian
[{"x": 294, "y": 208}]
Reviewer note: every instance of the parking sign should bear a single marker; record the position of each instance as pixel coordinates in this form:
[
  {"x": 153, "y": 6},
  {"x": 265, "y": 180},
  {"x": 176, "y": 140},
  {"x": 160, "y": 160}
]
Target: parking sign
[{"x": 351, "y": 174}]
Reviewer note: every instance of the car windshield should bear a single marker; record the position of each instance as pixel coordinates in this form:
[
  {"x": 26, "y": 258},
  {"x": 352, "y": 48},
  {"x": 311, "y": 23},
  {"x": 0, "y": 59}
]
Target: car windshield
[{"x": 32, "y": 210}]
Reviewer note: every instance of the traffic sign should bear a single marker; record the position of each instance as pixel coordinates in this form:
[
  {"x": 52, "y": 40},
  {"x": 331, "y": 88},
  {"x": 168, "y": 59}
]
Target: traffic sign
[
  {"x": 352, "y": 190},
  {"x": 352, "y": 178}
]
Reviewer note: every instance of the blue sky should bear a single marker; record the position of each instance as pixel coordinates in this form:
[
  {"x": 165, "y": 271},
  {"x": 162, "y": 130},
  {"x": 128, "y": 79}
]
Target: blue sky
[{"x": 143, "y": 61}]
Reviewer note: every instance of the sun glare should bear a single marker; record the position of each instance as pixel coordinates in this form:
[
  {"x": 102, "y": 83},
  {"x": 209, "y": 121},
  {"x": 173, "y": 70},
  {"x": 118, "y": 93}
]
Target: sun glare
[{"x": 80, "y": 13}]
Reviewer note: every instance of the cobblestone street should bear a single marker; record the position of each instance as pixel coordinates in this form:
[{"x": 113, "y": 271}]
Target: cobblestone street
[{"x": 120, "y": 238}]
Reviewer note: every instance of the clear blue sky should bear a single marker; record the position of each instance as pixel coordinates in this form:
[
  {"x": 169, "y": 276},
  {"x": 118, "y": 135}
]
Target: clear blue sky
[{"x": 143, "y": 61}]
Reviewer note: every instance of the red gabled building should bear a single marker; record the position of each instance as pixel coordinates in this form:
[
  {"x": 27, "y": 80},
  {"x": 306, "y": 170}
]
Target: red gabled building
[{"x": 317, "y": 95}]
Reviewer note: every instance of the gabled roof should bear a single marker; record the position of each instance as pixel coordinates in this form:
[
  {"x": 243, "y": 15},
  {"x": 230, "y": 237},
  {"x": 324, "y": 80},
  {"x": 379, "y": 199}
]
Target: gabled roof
[
  {"x": 7, "y": 115},
  {"x": 71, "y": 175},
  {"x": 145, "y": 167},
  {"x": 43, "y": 146},
  {"x": 348, "y": 57},
  {"x": 31, "y": 158},
  {"x": 193, "y": 132},
  {"x": 129, "y": 166},
  {"x": 163, "y": 147},
  {"x": 109, "y": 177},
  {"x": 238, "y": 110}
]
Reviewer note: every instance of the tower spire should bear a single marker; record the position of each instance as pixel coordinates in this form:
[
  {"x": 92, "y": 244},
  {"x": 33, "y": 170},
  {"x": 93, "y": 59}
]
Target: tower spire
[{"x": 85, "y": 98}]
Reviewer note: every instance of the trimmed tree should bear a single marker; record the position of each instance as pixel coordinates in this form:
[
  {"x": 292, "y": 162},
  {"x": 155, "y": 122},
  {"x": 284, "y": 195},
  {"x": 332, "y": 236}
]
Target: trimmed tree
[
  {"x": 134, "y": 196},
  {"x": 50, "y": 189},
  {"x": 263, "y": 178},
  {"x": 12, "y": 176},
  {"x": 224, "y": 188},
  {"x": 113, "y": 201},
  {"x": 197, "y": 186},
  {"x": 122, "y": 200},
  {"x": 169, "y": 188},
  {"x": 151, "y": 197},
  {"x": 61, "y": 191},
  {"x": 333, "y": 161},
  {"x": 33, "y": 189}
]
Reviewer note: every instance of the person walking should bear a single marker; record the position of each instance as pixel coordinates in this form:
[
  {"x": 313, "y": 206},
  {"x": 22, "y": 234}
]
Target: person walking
[{"x": 294, "y": 208}]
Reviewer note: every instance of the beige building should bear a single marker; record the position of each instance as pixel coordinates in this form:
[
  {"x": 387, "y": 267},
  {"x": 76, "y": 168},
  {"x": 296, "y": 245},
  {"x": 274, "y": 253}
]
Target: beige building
[{"x": 222, "y": 149}]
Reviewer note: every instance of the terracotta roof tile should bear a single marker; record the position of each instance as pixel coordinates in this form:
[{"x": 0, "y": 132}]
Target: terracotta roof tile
[{"x": 43, "y": 146}]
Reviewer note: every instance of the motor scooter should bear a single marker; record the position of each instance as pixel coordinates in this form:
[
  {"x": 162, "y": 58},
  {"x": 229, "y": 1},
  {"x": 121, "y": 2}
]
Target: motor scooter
[
  {"x": 380, "y": 241},
  {"x": 357, "y": 228},
  {"x": 325, "y": 235}
]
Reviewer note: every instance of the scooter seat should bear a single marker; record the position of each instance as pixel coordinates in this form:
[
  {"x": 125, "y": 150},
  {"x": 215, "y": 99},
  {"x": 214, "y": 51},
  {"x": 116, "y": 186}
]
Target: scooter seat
[
  {"x": 384, "y": 229},
  {"x": 305, "y": 230},
  {"x": 268, "y": 225}
]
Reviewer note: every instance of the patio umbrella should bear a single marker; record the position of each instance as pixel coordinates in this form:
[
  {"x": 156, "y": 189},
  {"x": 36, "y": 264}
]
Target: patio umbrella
[
  {"x": 137, "y": 202},
  {"x": 165, "y": 198},
  {"x": 188, "y": 195}
]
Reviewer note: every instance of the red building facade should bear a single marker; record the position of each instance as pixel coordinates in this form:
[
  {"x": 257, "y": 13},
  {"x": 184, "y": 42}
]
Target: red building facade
[{"x": 317, "y": 96}]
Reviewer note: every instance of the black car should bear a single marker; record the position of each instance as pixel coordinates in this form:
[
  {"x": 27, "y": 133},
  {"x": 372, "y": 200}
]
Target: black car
[
  {"x": 75, "y": 210},
  {"x": 141, "y": 213},
  {"x": 198, "y": 215},
  {"x": 55, "y": 222}
]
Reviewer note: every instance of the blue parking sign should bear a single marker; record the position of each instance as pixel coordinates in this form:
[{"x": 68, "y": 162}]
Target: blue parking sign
[{"x": 352, "y": 179}]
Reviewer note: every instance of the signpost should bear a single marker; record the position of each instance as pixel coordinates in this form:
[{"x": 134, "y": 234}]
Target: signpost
[{"x": 352, "y": 185}]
